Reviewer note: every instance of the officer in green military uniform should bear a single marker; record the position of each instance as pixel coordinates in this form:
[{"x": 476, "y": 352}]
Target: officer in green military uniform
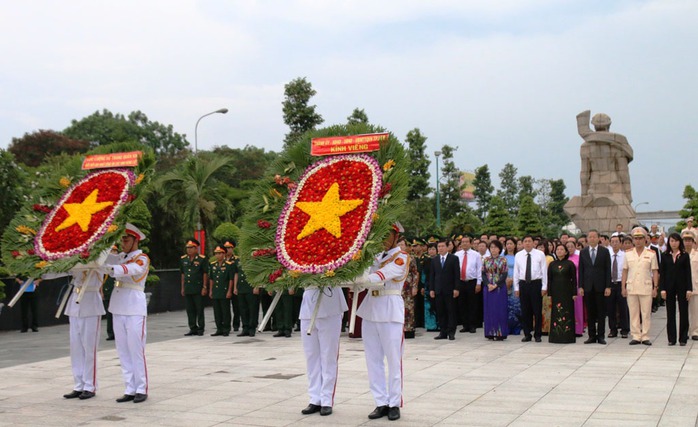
[
  {"x": 220, "y": 276},
  {"x": 229, "y": 246},
  {"x": 107, "y": 288},
  {"x": 193, "y": 267},
  {"x": 248, "y": 300},
  {"x": 284, "y": 314}
]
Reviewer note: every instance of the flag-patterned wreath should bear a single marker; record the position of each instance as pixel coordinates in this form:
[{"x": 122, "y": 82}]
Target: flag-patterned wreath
[{"x": 319, "y": 221}]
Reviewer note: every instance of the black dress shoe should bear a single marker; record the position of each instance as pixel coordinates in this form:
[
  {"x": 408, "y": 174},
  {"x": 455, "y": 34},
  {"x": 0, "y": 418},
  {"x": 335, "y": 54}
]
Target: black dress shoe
[
  {"x": 23, "y": 330},
  {"x": 394, "y": 413},
  {"x": 409, "y": 334},
  {"x": 538, "y": 339},
  {"x": 35, "y": 329},
  {"x": 624, "y": 335},
  {"x": 225, "y": 334},
  {"x": 526, "y": 339},
  {"x": 463, "y": 330},
  {"x": 326, "y": 410},
  {"x": 682, "y": 344},
  {"x": 200, "y": 333},
  {"x": 601, "y": 341},
  {"x": 87, "y": 395},
  {"x": 379, "y": 412},
  {"x": 139, "y": 397},
  {"x": 287, "y": 334},
  {"x": 251, "y": 333},
  {"x": 73, "y": 394},
  {"x": 217, "y": 334},
  {"x": 694, "y": 337},
  {"x": 590, "y": 340},
  {"x": 311, "y": 409},
  {"x": 125, "y": 398},
  {"x": 190, "y": 333},
  {"x": 110, "y": 338},
  {"x": 647, "y": 342},
  {"x": 672, "y": 343},
  {"x": 244, "y": 334},
  {"x": 613, "y": 335},
  {"x": 634, "y": 342},
  {"x": 438, "y": 337},
  {"x": 278, "y": 334},
  {"x": 451, "y": 337},
  {"x": 472, "y": 331}
]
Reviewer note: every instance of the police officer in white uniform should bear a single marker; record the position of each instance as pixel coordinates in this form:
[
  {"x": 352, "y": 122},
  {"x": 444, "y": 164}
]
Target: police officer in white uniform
[
  {"x": 129, "y": 308},
  {"x": 321, "y": 347},
  {"x": 383, "y": 314},
  {"x": 85, "y": 328}
]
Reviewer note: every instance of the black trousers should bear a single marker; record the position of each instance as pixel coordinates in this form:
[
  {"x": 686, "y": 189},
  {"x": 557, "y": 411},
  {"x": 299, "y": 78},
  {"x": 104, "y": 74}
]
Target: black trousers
[
  {"x": 672, "y": 296},
  {"x": 194, "y": 304},
  {"x": 249, "y": 311},
  {"x": 467, "y": 304},
  {"x": 446, "y": 312},
  {"x": 234, "y": 301},
  {"x": 531, "y": 307},
  {"x": 110, "y": 320},
  {"x": 221, "y": 314},
  {"x": 617, "y": 310},
  {"x": 29, "y": 302},
  {"x": 596, "y": 313}
]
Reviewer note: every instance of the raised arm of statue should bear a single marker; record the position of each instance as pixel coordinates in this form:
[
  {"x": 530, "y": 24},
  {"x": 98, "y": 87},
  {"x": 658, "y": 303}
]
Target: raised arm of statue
[{"x": 583, "y": 123}]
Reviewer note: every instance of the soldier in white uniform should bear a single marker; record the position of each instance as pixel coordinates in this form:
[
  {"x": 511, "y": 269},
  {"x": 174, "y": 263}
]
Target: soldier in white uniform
[
  {"x": 85, "y": 328},
  {"x": 383, "y": 314},
  {"x": 321, "y": 347},
  {"x": 129, "y": 308}
]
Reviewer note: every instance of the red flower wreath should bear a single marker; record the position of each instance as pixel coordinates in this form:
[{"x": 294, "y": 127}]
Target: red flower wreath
[
  {"x": 328, "y": 217},
  {"x": 84, "y": 214}
]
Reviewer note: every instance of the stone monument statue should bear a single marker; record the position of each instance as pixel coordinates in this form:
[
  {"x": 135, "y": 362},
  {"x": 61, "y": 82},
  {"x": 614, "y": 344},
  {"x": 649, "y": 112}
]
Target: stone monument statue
[{"x": 606, "y": 199}]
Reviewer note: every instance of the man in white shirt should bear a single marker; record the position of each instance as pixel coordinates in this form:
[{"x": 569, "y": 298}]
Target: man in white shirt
[
  {"x": 129, "y": 307},
  {"x": 617, "y": 305},
  {"x": 470, "y": 284},
  {"x": 85, "y": 328},
  {"x": 530, "y": 285}
]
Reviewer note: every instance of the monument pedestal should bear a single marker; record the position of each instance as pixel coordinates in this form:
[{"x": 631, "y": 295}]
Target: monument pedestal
[{"x": 600, "y": 213}]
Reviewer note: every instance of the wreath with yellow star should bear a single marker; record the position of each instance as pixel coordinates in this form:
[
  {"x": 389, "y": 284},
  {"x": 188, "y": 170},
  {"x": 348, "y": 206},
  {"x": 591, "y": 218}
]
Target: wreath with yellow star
[
  {"x": 319, "y": 221},
  {"x": 73, "y": 216}
]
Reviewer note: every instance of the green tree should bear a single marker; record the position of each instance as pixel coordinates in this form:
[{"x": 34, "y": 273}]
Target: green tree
[
  {"x": 528, "y": 219},
  {"x": 419, "y": 165},
  {"x": 194, "y": 193},
  {"x": 483, "y": 191},
  {"x": 12, "y": 187},
  {"x": 357, "y": 116},
  {"x": 464, "y": 221},
  {"x": 298, "y": 115},
  {"x": 105, "y": 127},
  {"x": 33, "y": 148},
  {"x": 418, "y": 217},
  {"x": 226, "y": 231},
  {"x": 509, "y": 188},
  {"x": 451, "y": 202},
  {"x": 526, "y": 187},
  {"x": 556, "y": 207},
  {"x": 690, "y": 208},
  {"x": 499, "y": 221}
]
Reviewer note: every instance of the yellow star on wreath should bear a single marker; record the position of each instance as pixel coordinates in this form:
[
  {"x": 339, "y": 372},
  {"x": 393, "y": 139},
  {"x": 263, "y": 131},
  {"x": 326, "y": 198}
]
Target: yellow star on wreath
[
  {"x": 81, "y": 213},
  {"x": 327, "y": 213}
]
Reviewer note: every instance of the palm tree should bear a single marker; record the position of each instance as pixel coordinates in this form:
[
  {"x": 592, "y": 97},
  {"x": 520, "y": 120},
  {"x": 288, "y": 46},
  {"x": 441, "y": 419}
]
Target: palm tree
[{"x": 194, "y": 193}]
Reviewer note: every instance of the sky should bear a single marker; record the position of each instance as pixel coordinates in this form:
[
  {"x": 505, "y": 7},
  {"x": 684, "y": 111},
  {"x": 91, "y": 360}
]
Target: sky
[{"x": 501, "y": 80}]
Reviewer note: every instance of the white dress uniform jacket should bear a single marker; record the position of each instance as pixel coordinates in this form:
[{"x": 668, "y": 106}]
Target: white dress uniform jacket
[
  {"x": 389, "y": 268},
  {"x": 128, "y": 297}
]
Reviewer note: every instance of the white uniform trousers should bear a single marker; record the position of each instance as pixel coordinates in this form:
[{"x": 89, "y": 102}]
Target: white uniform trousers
[
  {"x": 384, "y": 340},
  {"x": 640, "y": 309},
  {"x": 693, "y": 315},
  {"x": 321, "y": 349},
  {"x": 129, "y": 334},
  {"x": 84, "y": 340}
]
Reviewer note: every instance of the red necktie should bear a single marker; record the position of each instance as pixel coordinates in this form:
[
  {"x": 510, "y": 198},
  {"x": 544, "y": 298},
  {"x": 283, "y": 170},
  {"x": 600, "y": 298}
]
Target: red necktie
[{"x": 464, "y": 266}]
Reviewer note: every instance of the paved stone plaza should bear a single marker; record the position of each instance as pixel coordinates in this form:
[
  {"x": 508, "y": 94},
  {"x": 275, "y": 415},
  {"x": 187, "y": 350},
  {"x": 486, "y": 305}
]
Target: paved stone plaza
[{"x": 206, "y": 381}]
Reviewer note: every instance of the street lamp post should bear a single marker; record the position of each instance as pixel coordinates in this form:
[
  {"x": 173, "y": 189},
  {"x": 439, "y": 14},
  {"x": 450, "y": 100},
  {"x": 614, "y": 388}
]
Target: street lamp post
[
  {"x": 438, "y": 192},
  {"x": 641, "y": 203},
  {"x": 196, "y": 128}
]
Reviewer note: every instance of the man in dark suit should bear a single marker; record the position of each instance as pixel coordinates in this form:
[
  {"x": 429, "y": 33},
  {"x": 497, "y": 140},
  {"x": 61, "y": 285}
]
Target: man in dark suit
[
  {"x": 595, "y": 282},
  {"x": 443, "y": 285}
]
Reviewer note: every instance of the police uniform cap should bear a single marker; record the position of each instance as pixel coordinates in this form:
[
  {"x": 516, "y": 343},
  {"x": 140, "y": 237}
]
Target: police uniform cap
[
  {"x": 218, "y": 250},
  {"x": 193, "y": 243},
  {"x": 688, "y": 234},
  {"x": 639, "y": 232},
  {"x": 230, "y": 243}
]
